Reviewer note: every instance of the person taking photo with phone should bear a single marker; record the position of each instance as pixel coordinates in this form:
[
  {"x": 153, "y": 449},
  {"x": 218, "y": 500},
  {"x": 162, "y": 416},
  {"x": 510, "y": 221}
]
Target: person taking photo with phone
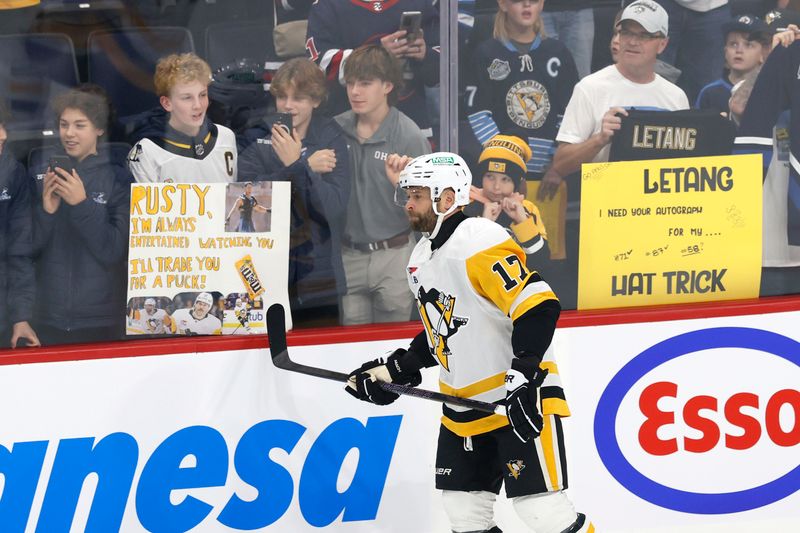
[
  {"x": 302, "y": 146},
  {"x": 80, "y": 229}
]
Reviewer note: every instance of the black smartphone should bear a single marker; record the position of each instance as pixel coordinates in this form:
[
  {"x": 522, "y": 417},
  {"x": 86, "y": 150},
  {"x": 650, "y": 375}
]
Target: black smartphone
[
  {"x": 61, "y": 161},
  {"x": 284, "y": 120},
  {"x": 411, "y": 22}
]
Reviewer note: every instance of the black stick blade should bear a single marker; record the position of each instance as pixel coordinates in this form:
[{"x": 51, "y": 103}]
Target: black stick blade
[{"x": 276, "y": 332}]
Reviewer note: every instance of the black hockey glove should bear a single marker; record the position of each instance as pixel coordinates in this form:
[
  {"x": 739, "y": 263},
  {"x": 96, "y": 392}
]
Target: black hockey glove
[
  {"x": 523, "y": 380},
  {"x": 362, "y": 383}
]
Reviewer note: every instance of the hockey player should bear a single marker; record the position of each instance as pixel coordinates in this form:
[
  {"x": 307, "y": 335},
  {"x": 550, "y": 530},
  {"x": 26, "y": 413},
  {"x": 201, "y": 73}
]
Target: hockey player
[
  {"x": 488, "y": 323},
  {"x": 192, "y": 148},
  {"x": 197, "y": 320},
  {"x": 502, "y": 164},
  {"x": 246, "y": 204},
  {"x": 152, "y": 320},
  {"x": 242, "y": 312},
  {"x": 523, "y": 82}
]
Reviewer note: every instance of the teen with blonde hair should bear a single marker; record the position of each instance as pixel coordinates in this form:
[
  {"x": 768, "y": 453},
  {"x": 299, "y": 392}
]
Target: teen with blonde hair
[{"x": 191, "y": 148}]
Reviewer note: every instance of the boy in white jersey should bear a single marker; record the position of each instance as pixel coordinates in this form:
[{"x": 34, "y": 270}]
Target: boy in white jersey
[
  {"x": 488, "y": 323},
  {"x": 197, "y": 320},
  {"x": 192, "y": 148}
]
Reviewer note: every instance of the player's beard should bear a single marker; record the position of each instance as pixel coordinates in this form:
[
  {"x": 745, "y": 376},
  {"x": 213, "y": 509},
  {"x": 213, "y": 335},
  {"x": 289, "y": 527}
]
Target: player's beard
[{"x": 424, "y": 222}]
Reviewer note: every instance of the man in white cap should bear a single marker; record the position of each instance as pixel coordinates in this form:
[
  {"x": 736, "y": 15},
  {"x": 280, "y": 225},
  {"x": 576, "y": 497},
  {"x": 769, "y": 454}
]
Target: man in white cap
[
  {"x": 592, "y": 115},
  {"x": 197, "y": 320},
  {"x": 151, "y": 321}
]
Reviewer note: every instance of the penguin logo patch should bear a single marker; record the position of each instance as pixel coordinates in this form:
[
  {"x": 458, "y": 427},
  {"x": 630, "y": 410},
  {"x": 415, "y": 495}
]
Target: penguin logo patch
[
  {"x": 528, "y": 104},
  {"x": 515, "y": 468},
  {"x": 436, "y": 310}
]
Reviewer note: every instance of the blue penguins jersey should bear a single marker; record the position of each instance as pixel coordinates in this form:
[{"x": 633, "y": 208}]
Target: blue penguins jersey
[
  {"x": 777, "y": 89},
  {"x": 522, "y": 94},
  {"x": 469, "y": 291},
  {"x": 337, "y": 27}
]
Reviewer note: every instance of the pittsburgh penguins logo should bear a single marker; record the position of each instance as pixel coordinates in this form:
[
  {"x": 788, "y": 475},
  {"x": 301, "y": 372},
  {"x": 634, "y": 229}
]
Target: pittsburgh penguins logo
[
  {"x": 436, "y": 310},
  {"x": 528, "y": 104},
  {"x": 515, "y": 468},
  {"x": 152, "y": 324}
]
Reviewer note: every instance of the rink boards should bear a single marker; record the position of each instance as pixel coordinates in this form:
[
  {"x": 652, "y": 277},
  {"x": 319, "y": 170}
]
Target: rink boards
[{"x": 680, "y": 426}]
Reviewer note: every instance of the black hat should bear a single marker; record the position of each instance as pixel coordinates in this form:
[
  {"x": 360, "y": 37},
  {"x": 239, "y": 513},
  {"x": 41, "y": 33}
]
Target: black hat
[{"x": 747, "y": 24}]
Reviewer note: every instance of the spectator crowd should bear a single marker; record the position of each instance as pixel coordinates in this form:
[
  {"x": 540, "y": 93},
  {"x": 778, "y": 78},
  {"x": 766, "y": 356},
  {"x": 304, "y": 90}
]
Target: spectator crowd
[{"x": 327, "y": 111}]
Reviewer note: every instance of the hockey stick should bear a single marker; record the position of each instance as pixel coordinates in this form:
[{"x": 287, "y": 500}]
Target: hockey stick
[{"x": 276, "y": 331}]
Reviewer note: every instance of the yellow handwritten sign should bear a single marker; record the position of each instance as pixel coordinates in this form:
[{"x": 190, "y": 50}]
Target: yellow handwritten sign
[
  {"x": 183, "y": 245},
  {"x": 670, "y": 231}
]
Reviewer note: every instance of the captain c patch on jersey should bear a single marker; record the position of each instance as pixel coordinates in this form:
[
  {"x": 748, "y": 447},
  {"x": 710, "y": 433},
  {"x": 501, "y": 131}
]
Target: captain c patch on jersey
[
  {"x": 528, "y": 104},
  {"x": 437, "y": 312}
]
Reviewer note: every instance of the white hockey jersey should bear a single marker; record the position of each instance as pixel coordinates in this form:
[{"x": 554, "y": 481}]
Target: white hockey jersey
[
  {"x": 153, "y": 324},
  {"x": 469, "y": 291},
  {"x": 175, "y": 158},
  {"x": 185, "y": 323}
]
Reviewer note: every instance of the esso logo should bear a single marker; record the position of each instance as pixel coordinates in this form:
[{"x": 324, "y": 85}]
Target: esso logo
[{"x": 706, "y": 422}]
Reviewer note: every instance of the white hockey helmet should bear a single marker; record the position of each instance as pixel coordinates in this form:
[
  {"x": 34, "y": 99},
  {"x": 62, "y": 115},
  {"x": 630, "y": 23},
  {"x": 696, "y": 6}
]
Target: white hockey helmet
[
  {"x": 150, "y": 301},
  {"x": 205, "y": 298},
  {"x": 439, "y": 171}
]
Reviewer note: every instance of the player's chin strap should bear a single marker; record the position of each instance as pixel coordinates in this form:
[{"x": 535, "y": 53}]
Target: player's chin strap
[{"x": 440, "y": 218}]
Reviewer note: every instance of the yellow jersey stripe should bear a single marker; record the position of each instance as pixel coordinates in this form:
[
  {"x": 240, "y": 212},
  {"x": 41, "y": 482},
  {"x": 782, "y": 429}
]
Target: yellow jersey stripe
[
  {"x": 179, "y": 145},
  {"x": 525, "y": 230},
  {"x": 546, "y": 439},
  {"x": 591, "y": 528},
  {"x": 476, "y": 427},
  {"x": 550, "y": 366},
  {"x": 479, "y": 387},
  {"x": 208, "y": 136},
  {"x": 532, "y": 301},
  {"x": 555, "y": 406}
]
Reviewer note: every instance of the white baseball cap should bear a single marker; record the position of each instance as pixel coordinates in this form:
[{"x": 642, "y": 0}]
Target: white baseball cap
[
  {"x": 649, "y": 14},
  {"x": 205, "y": 298},
  {"x": 150, "y": 301}
]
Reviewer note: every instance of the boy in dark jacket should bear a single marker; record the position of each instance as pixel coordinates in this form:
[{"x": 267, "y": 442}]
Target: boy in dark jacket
[
  {"x": 17, "y": 287},
  {"x": 81, "y": 220},
  {"x": 313, "y": 156}
]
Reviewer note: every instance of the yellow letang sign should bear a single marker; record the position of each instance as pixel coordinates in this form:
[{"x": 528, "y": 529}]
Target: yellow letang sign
[{"x": 670, "y": 231}]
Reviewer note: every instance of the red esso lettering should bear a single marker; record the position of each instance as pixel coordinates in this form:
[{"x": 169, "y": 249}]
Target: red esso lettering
[{"x": 710, "y": 432}]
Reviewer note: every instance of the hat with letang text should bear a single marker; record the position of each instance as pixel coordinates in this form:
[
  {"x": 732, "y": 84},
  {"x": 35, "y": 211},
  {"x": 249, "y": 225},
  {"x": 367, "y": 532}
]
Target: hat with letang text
[
  {"x": 505, "y": 154},
  {"x": 649, "y": 14}
]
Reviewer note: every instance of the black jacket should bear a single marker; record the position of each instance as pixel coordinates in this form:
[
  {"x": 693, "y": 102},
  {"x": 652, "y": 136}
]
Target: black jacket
[
  {"x": 319, "y": 203},
  {"x": 81, "y": 250},
  {"x": 17, "y": 286}
]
